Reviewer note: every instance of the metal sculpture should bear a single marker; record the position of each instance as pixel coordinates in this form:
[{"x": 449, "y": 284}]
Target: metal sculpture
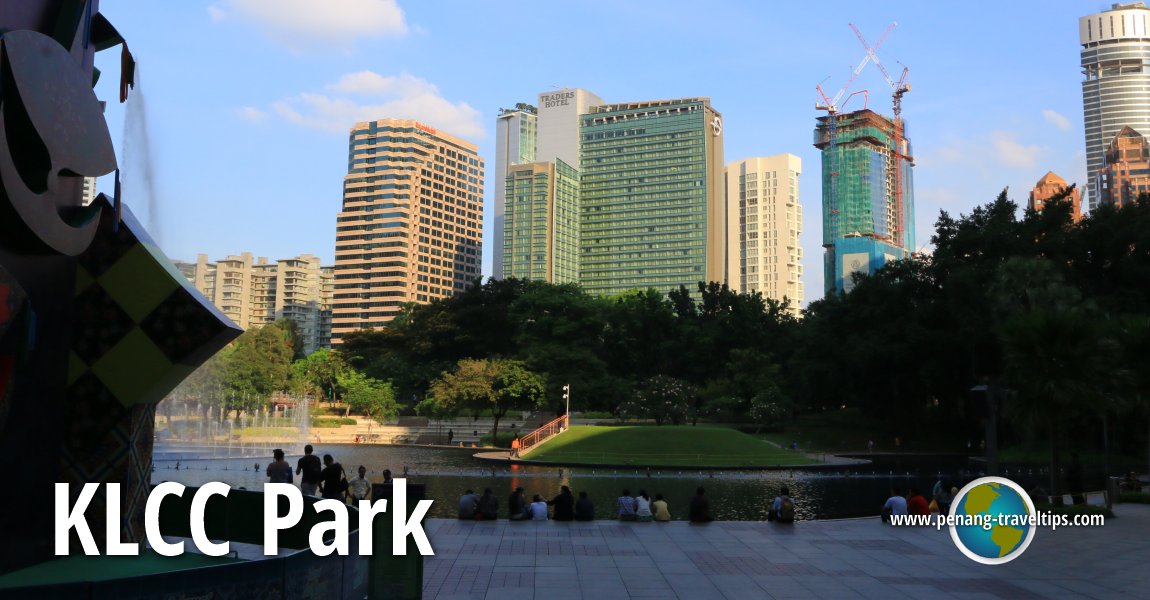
[{"x": 96, "y": 326}]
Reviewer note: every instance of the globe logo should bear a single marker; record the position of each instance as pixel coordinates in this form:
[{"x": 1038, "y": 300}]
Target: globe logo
[{"x": 992, "y": 520}]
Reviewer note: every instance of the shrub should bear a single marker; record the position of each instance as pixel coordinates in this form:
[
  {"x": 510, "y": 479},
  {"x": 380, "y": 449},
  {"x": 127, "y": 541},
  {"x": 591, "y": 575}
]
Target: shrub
[
  {"x": 332, "y": 421},
  {"x": 1135, "y": 497}
]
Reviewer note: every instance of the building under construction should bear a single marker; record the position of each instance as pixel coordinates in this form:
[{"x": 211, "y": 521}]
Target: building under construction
[{"x": 868, "y": 194}]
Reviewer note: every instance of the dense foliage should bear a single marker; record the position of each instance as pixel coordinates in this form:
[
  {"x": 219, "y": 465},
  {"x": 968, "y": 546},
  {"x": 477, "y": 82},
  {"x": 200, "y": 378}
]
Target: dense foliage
[{"x": 1051, "y": 316}]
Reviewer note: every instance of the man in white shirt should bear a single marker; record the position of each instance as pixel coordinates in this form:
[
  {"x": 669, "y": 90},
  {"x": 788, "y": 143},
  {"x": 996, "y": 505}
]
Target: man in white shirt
[
  {"x": 895, "y": 505},
  {"x": 359, "y": 488}
]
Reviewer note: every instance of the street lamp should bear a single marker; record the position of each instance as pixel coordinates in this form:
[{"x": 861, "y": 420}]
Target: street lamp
[
  {"x": 567, "y": 399},
  {"x": 991, "y": 427}
]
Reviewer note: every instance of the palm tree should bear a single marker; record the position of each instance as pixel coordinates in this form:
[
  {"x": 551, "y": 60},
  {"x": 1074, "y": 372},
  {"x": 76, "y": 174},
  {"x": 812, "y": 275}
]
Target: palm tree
[{"x": 1055, "y": 361}]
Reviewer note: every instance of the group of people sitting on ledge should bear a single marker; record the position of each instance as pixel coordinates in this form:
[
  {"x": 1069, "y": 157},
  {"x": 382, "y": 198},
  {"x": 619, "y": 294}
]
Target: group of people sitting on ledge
[{"x": 566, "y": 507}]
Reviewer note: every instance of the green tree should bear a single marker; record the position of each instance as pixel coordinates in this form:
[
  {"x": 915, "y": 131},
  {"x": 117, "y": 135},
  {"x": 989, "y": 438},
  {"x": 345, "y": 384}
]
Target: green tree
[
  {"x": 497, "y": 385},
  {"x": 319, "y": 373},
  {"x": 1056, "y": 354},
  {"x": 370, "y": 397},
  {"x": 665, "y": 399}
]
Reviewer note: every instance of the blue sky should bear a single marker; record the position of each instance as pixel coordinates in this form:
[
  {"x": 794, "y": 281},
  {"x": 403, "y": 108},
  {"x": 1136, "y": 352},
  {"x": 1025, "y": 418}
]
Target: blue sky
[{"x": 248, "y": 102}]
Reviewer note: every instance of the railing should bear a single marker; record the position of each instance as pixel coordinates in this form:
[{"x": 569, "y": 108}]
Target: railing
[{"x": 543, "y": 433}]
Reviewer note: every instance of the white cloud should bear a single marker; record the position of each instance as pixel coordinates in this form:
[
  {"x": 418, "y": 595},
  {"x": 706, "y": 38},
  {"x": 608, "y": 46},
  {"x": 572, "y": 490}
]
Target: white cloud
[
  {"x": 312, "y": 23},
  {"x": 1013, "y": 154},
  {"x": 401, "y": 97},
  {"x": 252, "y": 114},
  {"x": 1056, "y": 119}
]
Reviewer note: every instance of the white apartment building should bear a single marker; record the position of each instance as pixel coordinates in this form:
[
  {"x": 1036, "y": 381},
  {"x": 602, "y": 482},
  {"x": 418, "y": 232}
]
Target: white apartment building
[{"x": 764, "y": 220}]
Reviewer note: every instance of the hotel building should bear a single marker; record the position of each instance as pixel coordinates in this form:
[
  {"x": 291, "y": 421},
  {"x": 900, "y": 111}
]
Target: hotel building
[
  {"x": 541, "y": 232},
  {"x": 652, "y": 194},
  {"x": 411, "y": 224}
]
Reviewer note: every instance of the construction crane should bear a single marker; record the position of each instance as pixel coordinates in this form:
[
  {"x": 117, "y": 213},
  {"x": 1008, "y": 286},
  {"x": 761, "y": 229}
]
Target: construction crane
[
  {"x": 833, "y": 106},
  {"x": 897, "y": 136}
]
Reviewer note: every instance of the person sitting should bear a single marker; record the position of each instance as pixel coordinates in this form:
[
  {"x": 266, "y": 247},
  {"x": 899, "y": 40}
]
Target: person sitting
[
  {"x": 783, "y": 508},
  {"x": 661, "y": 510},
  {"x": 626, "y": 506},
  {"x": 643, "y": 507},
  {"x": 517, "y": 506},
  {"x": 584, "y": 509},
  {"x": 488, "y": 506},
  {"x": 538, "y": 509},
  {"x": 916, "y": 503},
  {"x": 564, "y": 505},
  {"x": 895, "y": 505},
  {"x": 468, "y": 505},
  {"x": 700, "y": 509}
]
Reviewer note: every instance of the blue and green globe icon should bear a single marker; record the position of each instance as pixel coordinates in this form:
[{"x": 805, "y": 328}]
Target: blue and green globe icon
[{"x": 992, "y": 520}]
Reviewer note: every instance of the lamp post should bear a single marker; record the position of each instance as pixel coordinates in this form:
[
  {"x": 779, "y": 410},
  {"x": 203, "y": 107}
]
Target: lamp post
[
  {"x": 567, "y": 399},
  {"x": 991, "y": 427}
]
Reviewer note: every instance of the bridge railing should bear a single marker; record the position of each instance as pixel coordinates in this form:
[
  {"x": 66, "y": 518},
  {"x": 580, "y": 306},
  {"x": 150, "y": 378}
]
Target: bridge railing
[{"x": 543, "y": 433}]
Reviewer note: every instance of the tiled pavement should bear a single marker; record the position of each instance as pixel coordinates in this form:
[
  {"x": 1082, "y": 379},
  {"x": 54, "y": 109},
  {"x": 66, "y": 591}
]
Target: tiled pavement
[{"x": 606, "y": 560}]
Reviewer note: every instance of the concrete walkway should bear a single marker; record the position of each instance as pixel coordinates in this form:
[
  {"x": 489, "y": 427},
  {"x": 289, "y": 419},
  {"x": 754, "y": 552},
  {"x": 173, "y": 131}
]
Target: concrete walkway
[{"x": 605, "y": 560}]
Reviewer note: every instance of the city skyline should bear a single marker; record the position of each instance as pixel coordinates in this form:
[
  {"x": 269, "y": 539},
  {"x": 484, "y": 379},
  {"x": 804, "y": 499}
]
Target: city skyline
[{"x": 976, "y": 130}]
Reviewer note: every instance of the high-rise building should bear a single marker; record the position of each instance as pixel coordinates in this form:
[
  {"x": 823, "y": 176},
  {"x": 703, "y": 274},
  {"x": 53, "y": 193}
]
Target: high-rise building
[
  {"x": 541, "y": 233},
  {"x": 253, "y": 292},
  {"x": 868, "y": 195},
  {"x": 1116, "y": 84},
  {"x": 1126, "y": 174},
  {"x": 652, "y": 195},
  {"x": 1049, "y": 186},
  {"x": 88, "y": 190},
  {"x": 411, "y": 225},
  {"x": 514, "y": 145},
  {"x": 764, "y": 220},
  {"x": 560, "y": 112},
  {"x": 299, "y": 296}
]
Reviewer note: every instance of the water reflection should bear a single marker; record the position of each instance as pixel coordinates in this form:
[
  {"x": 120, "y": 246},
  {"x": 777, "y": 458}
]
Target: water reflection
[{"x": 735, "y": 495}]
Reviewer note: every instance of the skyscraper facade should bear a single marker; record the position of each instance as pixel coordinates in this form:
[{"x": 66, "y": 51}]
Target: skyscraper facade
[
  {"x": 652, "y": 196},
  {"x": 1126, "y": 174},
  {"x": 1116, "y": 81},
  {"x": 541, "y": 232},
  {"x": 764, "y": 220},
  {"x": 411, "y": 224},
  {"x": 1050, "y": 186},
  {"x": 559, "y": 118},
  {"x": 253, "y": 292},
  {"x": 515, "y": 135},
  {"x": 868, "y": 195}
]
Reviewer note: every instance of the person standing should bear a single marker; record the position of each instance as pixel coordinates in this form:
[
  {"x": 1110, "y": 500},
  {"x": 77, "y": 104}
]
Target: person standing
[
  {"x": 359, "y": 488},
  {"x": 279, "y": 471},
  {"x": 515, "y": 447},
  {"x": 333, "y": 479},
  {"x": 309, "y": 469}
]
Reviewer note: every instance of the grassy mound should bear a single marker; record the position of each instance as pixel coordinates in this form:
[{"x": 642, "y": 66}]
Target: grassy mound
[{"x": 667, "y": 446}]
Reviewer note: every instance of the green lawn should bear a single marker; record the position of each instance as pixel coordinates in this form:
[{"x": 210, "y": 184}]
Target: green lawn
[
  {"x": 677, "y": 446},
  {"x": 849, "y": 431}
]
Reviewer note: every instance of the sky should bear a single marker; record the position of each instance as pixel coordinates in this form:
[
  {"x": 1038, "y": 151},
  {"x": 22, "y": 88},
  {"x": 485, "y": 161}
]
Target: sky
[{"x": 235, "y": 139}]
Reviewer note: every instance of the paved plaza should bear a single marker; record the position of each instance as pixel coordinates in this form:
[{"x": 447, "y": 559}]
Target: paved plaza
[{"x": 605, "y": 560}]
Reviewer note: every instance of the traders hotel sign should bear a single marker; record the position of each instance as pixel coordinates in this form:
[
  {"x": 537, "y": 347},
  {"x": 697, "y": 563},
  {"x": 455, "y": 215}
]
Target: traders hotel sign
[{"x": 556, "y": 99}]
